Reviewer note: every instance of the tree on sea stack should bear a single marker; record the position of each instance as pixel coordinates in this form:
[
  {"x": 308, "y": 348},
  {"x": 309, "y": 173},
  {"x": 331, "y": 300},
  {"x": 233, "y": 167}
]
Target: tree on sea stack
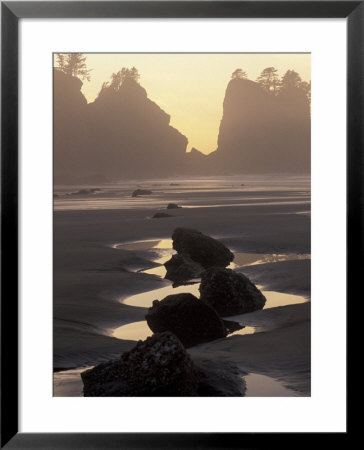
[
  {"x": 291, "y": 79},
  {"x": 73, "y": 64},
  {"x": 118, "y": 78},
  {"x": 239, "y": 74},
  {"x": 269, "y": 80}
]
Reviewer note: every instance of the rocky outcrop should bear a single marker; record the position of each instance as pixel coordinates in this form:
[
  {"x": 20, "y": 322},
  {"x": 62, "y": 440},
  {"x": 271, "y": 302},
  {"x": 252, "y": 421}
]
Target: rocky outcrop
[
  {"x": 261, "y": 132},
  {"x": 122, "y": 134},
  {"x": 191, "y": 320},
  {"x": 201, "y": 248},
  {"x": 156, "y": 367},
  {"x": 230, "y": 293},
  {"x": 182, "y": 268}
]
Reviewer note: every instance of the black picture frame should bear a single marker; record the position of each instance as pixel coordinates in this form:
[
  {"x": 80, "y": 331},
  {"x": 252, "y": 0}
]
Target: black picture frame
[{"x": 11, "y": 13}]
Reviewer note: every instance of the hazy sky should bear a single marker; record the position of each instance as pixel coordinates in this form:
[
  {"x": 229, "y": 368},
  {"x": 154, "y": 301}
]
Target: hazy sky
[{"x": 190, "y": 87}]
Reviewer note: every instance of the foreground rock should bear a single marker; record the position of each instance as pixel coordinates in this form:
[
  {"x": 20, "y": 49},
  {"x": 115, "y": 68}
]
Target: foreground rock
[
  {"x": 181, "y": 268},
  {"x": 230, "y": 293},
  {"x": 160, "y": 215},
  {"x": 173, "y": 206},
  {"x": 156, "y": 367},
  {"x": 201, "y": 248},
  {"x": 191, "y": 320},
  {"x": 138, "y": 192}
]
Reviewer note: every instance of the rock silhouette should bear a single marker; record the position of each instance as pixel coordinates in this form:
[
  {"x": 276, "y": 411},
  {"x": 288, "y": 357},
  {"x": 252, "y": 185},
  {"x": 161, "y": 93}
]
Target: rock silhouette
[
  {"x": 261, "y": 132},
  {"x": 156, "y": 367},
  {"x": 230, "y": 293},
  {"x": 191, "y": 320},
  {"x": 123, "y": 134},
  {"x": 139, "y": 192},
  {"x": 160, "y": 215}
]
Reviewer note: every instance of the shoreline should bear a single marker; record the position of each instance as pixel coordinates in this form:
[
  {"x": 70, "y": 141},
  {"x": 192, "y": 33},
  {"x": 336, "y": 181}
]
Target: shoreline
[{"x": 90, "y": 278}]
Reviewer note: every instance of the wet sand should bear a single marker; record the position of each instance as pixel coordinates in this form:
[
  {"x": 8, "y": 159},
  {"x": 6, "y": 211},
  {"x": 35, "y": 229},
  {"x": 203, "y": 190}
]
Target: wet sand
[{"x": 91, "y": 277}]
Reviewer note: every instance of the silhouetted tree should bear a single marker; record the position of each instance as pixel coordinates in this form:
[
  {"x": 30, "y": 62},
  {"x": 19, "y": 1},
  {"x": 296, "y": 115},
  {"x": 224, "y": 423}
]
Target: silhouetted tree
[
  {"x": 118, "y": 78},
  {"x": 306, "y": 87},
  {"x": 269, "y": 80},
  {"x": 60, "y": 59},
  {"x": 291, "y": 79},
  {"x": 239, "y": 74},
  {"x": 130, "y": 74},
  {"x": 73, "y": 64}
]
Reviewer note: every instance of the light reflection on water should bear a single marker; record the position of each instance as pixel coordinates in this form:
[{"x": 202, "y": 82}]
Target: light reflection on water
[
  {"x": 145, "y": 299},
  {"x": 263, "y": 386},
  {"x": 68, "y": 383},
  {"x": 241, "y": 259},
  {"x": 140, "y": 330}
]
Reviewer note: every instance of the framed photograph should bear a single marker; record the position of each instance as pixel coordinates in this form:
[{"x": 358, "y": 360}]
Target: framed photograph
[{"x": 179, "y": 213}]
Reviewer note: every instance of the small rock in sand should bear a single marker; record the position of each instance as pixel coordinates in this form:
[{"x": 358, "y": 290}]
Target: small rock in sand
[
  {"x": 173, "y": 206},
  {"x": 229, "y": 293},
  {"x": 138, "y": 192},
  {"x": 160, "y": 215}
]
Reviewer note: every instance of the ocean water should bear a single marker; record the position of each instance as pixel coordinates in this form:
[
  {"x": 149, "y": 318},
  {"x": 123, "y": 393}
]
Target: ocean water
[{"x": 207, "y": 192}]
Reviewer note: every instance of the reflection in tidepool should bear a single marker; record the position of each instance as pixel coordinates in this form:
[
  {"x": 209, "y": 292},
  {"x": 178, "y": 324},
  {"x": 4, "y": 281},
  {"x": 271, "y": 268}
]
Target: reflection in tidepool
[
  {"x": 133, "y": 331},
  {"x": 263, "y": 386},
  {"x": 68, "y": 383},
  {"x": 145, "y": 299},
  {"x": 252, "y": 259},
  {"x": 140, "y": 330},
  {"x": 145, "y": 245}
]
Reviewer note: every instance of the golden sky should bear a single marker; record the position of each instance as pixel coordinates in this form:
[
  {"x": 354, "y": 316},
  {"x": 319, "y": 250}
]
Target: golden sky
[{"x": 190, "y": 87}]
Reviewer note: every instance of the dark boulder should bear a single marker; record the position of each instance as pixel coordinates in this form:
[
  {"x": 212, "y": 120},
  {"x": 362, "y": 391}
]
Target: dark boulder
[
  {"x": 182, "y": 268},
  {"x": 191, "y": 320},
  {"x": 156, "y": 367},
  {"x": 229, "y": 293},
  {"x": 138, "y": 192},
  {"x": 173, "y": 206},
  {"x": 160, "y": 215},
  {"x": 201, "y": 248}
]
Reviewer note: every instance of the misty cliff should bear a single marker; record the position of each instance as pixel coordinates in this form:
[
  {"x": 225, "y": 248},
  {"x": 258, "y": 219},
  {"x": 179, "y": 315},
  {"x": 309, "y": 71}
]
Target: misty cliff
[
  {"x": 261, "y": 132},
  {"x": 121, "y": 134}
]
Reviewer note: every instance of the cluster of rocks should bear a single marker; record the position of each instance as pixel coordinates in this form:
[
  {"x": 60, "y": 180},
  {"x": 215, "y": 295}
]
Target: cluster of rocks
[
  {"x": 161, "y": 367},
  {"x": 195, "y": 253},
  {"x": 223, "y": 292}
]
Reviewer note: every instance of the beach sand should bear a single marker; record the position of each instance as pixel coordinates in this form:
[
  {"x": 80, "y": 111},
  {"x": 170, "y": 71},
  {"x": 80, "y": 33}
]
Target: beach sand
[{"x": 92, "y": 277}]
